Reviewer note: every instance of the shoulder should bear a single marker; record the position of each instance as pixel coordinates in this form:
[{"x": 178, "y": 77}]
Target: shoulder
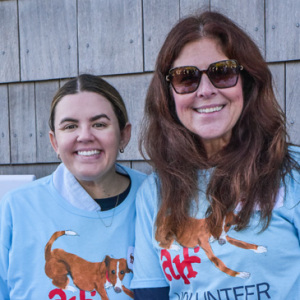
[
  {"x": 295, "y": 153},
  {"x": 152, "y": 181},
  {"x": 135, "y": 176},
  {"x": 23, "y": 201},
  {"x": 148, "y": 193},
  {"x": 28, "y": 190},
  {"x": 292, "y": 181}
]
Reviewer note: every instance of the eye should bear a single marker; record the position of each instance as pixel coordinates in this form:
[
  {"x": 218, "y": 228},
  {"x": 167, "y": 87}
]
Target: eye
[
  {"x": 70, "y": 126},
  {"x": 113, "y": 272},
  {"x": 122, "y": 272},
  {"x": 99, "y": 125},
  {"x": 188, "y": 78},
  {"x": 187, "y": 75}
]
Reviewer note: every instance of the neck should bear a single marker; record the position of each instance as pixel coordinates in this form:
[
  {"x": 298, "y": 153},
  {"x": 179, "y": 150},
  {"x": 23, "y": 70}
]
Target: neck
[
  {"x": 212, "y": 147},
  {"x": 108, "y": 187}
]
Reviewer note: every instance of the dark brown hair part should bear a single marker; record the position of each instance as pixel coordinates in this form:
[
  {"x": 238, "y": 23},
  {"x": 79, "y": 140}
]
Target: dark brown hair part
[
  {"x": 95, "y": 84},
  {"x": 250, "y": 169}
]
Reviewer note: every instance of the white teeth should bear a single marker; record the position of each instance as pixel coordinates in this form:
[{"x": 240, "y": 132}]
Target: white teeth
[
  {"x": 88, "y": 153},
  {"x": 209, "y": 110}
]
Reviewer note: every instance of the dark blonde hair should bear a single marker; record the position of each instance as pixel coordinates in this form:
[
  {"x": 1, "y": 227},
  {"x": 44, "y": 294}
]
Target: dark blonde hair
[
  {"x": 91, "y": 83},
  {"x": 249, "y": 169}
]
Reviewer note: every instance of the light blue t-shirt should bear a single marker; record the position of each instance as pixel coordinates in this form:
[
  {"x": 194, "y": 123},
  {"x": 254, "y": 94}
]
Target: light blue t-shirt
[
  {"x": 102, "y": 242},
  {"x": 240, "y": 265}
]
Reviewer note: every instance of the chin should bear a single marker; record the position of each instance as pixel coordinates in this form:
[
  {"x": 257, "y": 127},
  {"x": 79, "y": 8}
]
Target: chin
[{"x": 86, "y": 177}]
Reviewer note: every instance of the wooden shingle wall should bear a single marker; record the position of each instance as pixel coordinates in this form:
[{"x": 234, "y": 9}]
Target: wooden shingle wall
[{"x": 44, "y": 42}]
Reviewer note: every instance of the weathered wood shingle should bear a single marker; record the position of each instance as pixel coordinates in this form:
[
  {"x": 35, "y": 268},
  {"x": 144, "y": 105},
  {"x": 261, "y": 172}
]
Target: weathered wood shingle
[{"x": 45, "y": 42}]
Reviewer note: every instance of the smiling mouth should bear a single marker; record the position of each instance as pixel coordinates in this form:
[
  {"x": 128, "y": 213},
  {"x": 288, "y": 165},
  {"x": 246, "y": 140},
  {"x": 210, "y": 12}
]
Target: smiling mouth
[
  {"x": 210, "y": 109},
  {"x": 88, "y": 153}
]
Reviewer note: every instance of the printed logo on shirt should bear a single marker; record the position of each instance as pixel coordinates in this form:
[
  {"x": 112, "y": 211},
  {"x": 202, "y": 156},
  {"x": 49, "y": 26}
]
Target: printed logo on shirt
[
  {"x": 96, "y": 278},
  {"x": 130, "y": 257},
  {"x": 258, "y": 291},
  {"x": 197, "y": 233},
  {"x": 82, "y": 295}
]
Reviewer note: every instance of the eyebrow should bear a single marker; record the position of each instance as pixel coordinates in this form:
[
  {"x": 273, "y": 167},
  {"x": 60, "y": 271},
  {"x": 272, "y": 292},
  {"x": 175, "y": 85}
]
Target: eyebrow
[
  {"x": 97, "y": 117},
  {"x": 92, "y": 119}
]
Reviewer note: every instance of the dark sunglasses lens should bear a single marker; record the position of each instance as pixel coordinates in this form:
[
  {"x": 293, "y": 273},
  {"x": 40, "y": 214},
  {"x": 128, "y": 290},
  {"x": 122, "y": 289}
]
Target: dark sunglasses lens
[
  {"x": 185, "y": 79},
  {"x": 224, "y": 74}
]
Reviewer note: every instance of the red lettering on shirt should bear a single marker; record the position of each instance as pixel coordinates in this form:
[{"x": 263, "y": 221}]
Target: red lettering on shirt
[
  {"x": 63, "y": 296},
  {"x": 180, "y": 266},
  {"x": 58, "y": 292}
]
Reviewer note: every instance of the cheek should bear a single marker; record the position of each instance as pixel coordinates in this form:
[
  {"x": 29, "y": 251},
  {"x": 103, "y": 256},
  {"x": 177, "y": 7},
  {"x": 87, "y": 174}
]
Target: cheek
[
  {"x": 182, "y": 105},
  {"x": 111, "y": 139},
  {"x": 239, "y": 105},
  {"x": 239, "y": 93},
  {"x": 236, "y": 100},
  {"x": 63, "y": 142}
]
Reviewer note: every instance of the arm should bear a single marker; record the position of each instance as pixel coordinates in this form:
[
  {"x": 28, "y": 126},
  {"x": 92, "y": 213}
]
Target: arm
[{"x": 146, "y": 268}]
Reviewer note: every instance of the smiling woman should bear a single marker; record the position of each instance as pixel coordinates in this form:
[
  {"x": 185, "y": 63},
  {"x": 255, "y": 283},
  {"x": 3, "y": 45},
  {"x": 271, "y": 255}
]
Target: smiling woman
[
  {"x": 226, "y": 181},
  {"x": 212, "y": 108},
  {"x": 82, "y": 217},
  {"x": 87, "y": 139}
]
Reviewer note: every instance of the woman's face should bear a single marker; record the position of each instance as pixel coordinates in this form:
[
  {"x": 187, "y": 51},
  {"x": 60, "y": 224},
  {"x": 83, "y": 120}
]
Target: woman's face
[
  {"x": 209, "y": 112},
  {"x": 87, "y": 136}
]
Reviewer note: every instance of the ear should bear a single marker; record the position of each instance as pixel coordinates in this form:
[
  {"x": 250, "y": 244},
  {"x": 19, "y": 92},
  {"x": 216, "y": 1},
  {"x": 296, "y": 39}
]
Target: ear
[
  {"x": 53, "y": 141},
  {"x": 125, "y": 135},
  {"x": 127, "y": 268},
  {"x": 236, "y": 219},
  {"x": 107, "y": 260}
]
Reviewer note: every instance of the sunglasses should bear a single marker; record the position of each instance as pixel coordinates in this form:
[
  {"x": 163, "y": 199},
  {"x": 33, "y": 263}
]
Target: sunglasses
[{"x": 222, "y": 74}]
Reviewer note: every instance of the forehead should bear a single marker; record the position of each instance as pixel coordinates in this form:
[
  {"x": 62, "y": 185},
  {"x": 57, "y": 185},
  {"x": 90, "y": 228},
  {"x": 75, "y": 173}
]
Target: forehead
[
  {"x": 200, "y": 53},
  {"x": 83, "y": 104}
]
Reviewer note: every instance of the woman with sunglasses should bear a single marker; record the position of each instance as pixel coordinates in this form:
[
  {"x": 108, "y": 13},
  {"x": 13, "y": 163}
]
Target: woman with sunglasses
[
  {"x": 70, "y": 235},
  {"x": 219, "y": 218}
]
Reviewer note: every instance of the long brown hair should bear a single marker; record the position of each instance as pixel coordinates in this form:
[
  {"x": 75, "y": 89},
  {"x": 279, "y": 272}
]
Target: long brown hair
[{"x": 249, "y": 169}]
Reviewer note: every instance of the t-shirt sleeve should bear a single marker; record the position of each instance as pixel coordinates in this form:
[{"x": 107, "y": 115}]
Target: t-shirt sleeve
[
  {"x": 292, "y": 201},
  {"x": 153, "y": 293},
  {"x": 5, "y": 232},
  {"x": 297, "y": 221},
  {"x": 296, "y": 210},
  {"x": 3, "y": 273},
  {"x": 146, "y": 268}
]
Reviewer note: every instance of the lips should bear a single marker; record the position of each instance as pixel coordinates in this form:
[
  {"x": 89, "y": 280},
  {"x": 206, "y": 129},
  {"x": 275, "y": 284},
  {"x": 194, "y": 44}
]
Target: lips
[
  {"x": 209, "y": 109},
  {"x": 88, "y": 152}
]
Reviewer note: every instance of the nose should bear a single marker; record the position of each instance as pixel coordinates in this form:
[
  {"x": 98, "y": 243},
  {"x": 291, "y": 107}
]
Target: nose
[
  {"x": 221, "y": 242},
  {"x": 206, "y": 89},
  {"x": 117, "y": 290},
  {"x": 85, "y": 134}
]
